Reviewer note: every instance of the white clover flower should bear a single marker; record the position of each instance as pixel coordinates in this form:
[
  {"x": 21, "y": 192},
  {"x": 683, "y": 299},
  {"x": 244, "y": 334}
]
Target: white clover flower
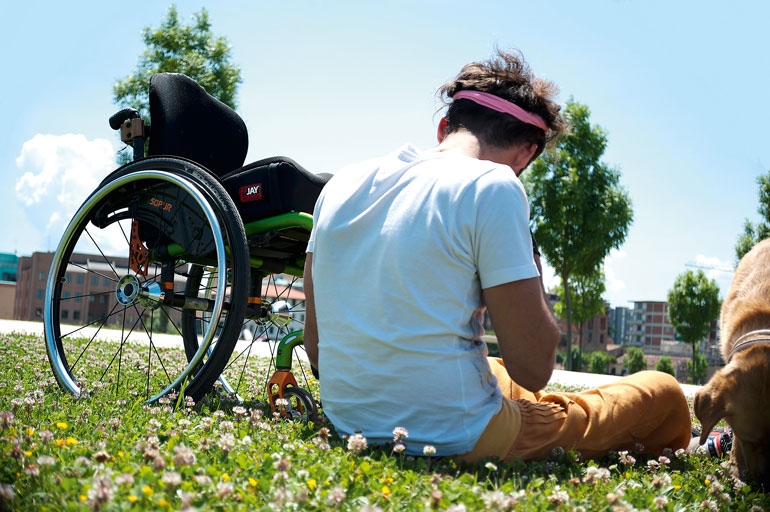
[
  {"x": 429, "y": 450},
  {"x": 336, "y": 495},
  {"x": 356, "y": 443},
  {"x": 558, "y": 497},
  {"x": 45, "y": 460},
  {"x": 398, "y": 448},
  {"x": 224, "y": 490},
  {"x": 184, "y": 456},
  {"x": 400, "y": 433},
  {"x": 7, "y": 492},
  {"x": 171, "y": 478},
  {"x": 124, "y": 478},
  {"x": 490, "y": 466},
  {"x": 660, "y": 502},
  {"x": 663, "y": 460},
  {"x": 494, "y": 500}
]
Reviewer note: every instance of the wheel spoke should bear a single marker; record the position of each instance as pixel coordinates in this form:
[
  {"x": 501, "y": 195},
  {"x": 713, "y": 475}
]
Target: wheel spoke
[
  {"x": 93, "y": 271},
  {"x": 72, "y": 368},
  {"x": 95, "y": 321},
  {"x": 102, "y": 253}
]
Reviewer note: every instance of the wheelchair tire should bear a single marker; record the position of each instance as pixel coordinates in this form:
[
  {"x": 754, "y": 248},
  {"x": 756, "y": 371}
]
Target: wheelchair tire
[
  {"x": 245, "y": 376},
  {"x": 301, "y": 406},
  {"x": 190, "y": 223}
]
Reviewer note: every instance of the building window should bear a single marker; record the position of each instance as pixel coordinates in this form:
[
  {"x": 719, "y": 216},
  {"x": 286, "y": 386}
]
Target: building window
[
  {"x": 91, "y": 298},
  {"x": 40, "y": 294},
  {"x": 39, "y": 312},
  {"x": 65, "y": 295},
  {"x": 102, "y": 299},
  {"x": 64, "y": 313},
  {"x": 106, "y": 282},
  {"x": 77, "y": 298},
  {"x": 41, "y": 276},
  {"x": 79, "y": 279},
  {"x": 76, "y": 315},
  {"x": 68, "y": 277},
  {"x": 95, "y": 280}
]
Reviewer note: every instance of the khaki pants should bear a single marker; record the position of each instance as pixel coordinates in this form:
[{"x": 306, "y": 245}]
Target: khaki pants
[{"x": 646, "y": 407}]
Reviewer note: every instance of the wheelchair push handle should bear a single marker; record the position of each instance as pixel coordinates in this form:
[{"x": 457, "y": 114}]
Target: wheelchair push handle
[{"x": 121, "y": 116}]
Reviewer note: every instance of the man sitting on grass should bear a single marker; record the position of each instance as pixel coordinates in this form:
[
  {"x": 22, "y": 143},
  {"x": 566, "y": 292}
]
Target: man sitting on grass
[{"x": 406, "y": 252}]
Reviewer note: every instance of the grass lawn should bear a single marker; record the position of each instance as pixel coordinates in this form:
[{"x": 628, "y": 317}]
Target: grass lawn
[{"x": 116, "y": 453}]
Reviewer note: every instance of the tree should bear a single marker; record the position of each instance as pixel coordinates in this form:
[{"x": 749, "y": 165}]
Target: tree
[
  {"x": 579, "y": 210},
  {"x": 753, "y": 234},
  {"x": 697, "y": 367},
  {"x": 665, "y": 365},
  {"x": 598, "y": 361},
  {"x": 634, "y": 360},
  {"x": 178, "y": 48},
  {"x": 693, "y": 303},
  {"x": 587, "y": 302}
]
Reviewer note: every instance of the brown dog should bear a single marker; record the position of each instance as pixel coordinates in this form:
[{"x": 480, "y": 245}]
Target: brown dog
[{"x": 740, "y": 392}]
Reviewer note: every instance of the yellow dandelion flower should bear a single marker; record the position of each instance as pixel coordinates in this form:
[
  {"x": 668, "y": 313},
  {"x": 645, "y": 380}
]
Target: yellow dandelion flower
[
  {"x": 147, "y": 490},
  {"x": 60, "y": 442},
  {"x": 30, "y": 431},
  {"x": 132, "y": 498},
  {"x": 386, "y": 480},
  {"x": 385, "y": 491},
  {"x": 225, "y": 477},
  {"x": 677, "y": 487},
  {"x": 163, "y": 503},
  {"x": 62, "y": 425},
  {"x": 253, "y": 482},
  {"x": 28, "y": 453},
  {"x": 71, "y": 441},
  {"x": 120, "y": 454},
  {"x": 83, "y": 497},
  {"x": 311, "y": 484},
  {"x": 707, "y": 481}
]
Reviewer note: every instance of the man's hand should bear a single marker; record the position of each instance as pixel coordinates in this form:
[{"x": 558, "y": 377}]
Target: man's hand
[{"x": 526, "y": 331}]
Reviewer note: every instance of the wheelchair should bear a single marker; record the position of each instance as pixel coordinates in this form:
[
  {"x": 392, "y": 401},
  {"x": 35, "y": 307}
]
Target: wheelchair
[{"x": 186, "y": 240}]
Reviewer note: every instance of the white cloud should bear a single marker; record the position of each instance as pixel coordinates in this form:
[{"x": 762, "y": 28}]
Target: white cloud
[
  {"x": 719, "y": 270},
  {"x": 58, "y": 172}
]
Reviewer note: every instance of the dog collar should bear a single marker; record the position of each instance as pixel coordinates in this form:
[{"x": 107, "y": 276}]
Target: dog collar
[{"x": 748, "y": 340}]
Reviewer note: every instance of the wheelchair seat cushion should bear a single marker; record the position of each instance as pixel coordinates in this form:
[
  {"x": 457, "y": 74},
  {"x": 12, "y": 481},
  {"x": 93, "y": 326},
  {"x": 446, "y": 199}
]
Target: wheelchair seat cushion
[
  {"x": 273, "y": 186},
  {"x": 188, "y": 122}
]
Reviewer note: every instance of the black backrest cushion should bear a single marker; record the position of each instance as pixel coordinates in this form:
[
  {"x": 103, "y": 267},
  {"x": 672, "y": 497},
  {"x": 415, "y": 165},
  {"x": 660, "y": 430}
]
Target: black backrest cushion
[{"x": 186, "y": 121}]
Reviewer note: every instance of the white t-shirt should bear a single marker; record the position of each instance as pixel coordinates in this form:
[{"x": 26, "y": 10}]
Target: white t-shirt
[{"x": 402, "y": 247}]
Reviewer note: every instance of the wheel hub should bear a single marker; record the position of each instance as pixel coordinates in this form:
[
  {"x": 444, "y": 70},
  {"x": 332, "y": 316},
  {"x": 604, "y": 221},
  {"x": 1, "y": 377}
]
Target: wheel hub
[
  {"x": 129, "y": 290},
  {"x": 280, "y": 313}
]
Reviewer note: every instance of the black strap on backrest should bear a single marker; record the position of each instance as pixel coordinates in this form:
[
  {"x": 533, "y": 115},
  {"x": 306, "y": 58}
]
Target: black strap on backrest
[{"x": 189, "y": 122}]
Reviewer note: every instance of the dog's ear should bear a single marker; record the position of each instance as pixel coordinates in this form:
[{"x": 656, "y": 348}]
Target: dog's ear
[{"x": 711, "y": 403}]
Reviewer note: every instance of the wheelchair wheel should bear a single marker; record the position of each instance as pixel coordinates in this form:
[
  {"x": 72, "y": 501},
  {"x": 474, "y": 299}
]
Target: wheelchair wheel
[
  {"x": 120, "y": 270},
  {"x": 278, "y": 311},
  {"x": 301, "y": 405}
]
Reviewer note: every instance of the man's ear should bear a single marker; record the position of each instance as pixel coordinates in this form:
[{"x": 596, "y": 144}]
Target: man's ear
[
  {"x": 710, "y": 403},
  {"x": 441, "y": 130}
]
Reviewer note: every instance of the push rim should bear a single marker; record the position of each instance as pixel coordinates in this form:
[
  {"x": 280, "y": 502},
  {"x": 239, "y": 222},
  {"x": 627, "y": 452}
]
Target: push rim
[{"x": 66, "y": 247}]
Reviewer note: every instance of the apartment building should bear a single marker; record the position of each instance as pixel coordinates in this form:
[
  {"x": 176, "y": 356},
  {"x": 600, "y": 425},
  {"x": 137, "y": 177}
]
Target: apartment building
[
  {"x": 620, "y": 323},
  {"x": 90, "y": 290}
]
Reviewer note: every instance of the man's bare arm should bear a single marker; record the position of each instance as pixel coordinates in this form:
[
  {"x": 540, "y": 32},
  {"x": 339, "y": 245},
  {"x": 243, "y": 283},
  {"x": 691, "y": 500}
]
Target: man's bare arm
[
  {"x": 311, "y": 327},
  {"x": 526, "y": 331}
]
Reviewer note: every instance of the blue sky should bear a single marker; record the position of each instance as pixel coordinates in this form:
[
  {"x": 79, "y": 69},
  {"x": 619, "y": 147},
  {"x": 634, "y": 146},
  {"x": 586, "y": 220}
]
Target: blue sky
[{"x": 681, "y": 88}]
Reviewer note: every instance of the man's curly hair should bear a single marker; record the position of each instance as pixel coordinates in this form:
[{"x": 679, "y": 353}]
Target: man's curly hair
[{"x": 508, "y": 76}]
